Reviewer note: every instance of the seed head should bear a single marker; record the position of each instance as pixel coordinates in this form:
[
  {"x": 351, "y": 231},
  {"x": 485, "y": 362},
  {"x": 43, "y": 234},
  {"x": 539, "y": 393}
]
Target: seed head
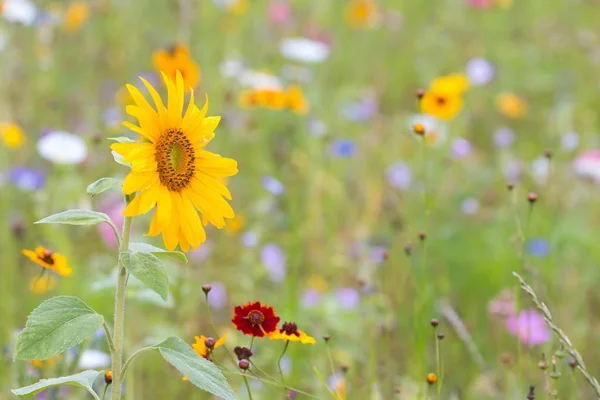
[
  {"x": 206, "y": 288},
  {"x": 543, "y": 363},
  {"x": 431, "y": 378},
  {"x": 244, "y": 364}
]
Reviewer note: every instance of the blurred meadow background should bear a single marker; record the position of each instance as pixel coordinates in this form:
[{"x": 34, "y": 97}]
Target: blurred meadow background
[{"x": 347, "y": 221}]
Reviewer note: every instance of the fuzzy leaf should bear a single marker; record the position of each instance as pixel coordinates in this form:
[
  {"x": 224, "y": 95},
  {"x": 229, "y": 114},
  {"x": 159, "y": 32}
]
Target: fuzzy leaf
[
  {"x": 149, "y": 270},
  {"x": 55, "y": 326},
  {"x": 76, "y": 217},
  {"x": 201, "y": 372},
  {"x": 157, "y": 251},
  {"x": 102, "y": 185},
  {"x": 83, "y": 379}
]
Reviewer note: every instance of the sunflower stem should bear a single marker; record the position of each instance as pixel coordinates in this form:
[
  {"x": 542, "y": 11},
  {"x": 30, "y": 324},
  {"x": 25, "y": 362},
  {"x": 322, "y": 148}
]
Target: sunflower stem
[
  {"x": 119, "y": 324},
  {"x": 285, "y": 347}
]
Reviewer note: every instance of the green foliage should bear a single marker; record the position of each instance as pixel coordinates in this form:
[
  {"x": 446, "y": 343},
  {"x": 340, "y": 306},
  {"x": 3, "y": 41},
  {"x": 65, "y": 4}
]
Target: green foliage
[
  {"x": 56, "y": 325},
  {"x": 157, "y": 251},
  {"x": 76, "y": 217},
  {"x": 83, "y": 379},
  {"x": 102, "y": 185},
  {"x": 201, "y": 372},
  {"x": 148, "y": 269}
]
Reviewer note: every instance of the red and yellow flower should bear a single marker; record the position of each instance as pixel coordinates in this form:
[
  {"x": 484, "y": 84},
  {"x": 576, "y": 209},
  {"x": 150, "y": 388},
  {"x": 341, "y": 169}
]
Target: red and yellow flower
[
  {"x": 289, "y": 331},
  {"x": 49, "y": 259},
  {"x": 255, "y": 319}
]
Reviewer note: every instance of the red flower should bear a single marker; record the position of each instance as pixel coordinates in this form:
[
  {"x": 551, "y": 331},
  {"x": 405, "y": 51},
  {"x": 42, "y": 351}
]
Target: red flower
[{"x": 254, "y": 319}]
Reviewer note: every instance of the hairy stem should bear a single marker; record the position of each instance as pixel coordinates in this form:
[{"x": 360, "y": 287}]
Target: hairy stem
[{"x": 119, "y": 324}]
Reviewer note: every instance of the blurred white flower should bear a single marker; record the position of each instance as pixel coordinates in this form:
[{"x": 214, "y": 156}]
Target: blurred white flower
[
  {"x": 92, "y": 359},
  {"x": 232, "y": 67},
  {"x": 22, "y": 11},
  {"x": 304, "y": 50},
  {"x": 436, "y": 131},
  {"x": 512, "y": 171},
  {"x": 540, "y": 170},
  {"x": 570, "y": 141},
  {"x": 317, "y": 128},
  {"x": 62, "y": 148},
  {"x": 3, "y": 40},
  {"x": 480, "y": 71},
  {"x": 470, "y": 206},
  {"x": 587, "y": 164},
  {"x": 260, "y": 80}
]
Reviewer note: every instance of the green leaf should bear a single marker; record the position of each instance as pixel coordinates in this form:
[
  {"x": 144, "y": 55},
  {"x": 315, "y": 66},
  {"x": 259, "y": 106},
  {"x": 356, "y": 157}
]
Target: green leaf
[
  {"x": 149, "y": 270},
  {"x": 55, "y": 326},
  {"x": 76, "y": 217},
  {"x": 201, "y": 372},
  {"x": 102, "y": 185},
  {"x": 121, "y": 139},
  {"x": 83, "y": 379},
  {"x": 157, "y": 251}
]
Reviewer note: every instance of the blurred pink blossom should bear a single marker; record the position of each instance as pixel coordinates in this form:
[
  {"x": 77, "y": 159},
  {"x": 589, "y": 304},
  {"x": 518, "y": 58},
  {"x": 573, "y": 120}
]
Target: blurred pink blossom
[
  {"x": 480, "y": 3},
  {"x": 112, "y": 206},
  {"x": 587, "y": 165},
  {"x": 529, "y": 326},
  {"x": 279, "y": 12}
]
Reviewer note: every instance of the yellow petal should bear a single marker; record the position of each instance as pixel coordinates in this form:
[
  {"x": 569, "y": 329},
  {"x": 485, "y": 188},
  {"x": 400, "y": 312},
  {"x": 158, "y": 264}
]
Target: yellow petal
[
  {"x": 137, "y": 181},
  {"x": 190, "y": 223},
  {"x": 142, "y": 203}
]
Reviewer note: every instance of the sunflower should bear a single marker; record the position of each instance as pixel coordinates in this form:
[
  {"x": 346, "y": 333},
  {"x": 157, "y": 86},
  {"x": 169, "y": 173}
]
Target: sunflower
[
  {"x": 171, "y": 169},
  {"x": 200, "y": 346},
  {"x": 289, "y": 331},
  {"x": 176, "y": 59},
  {"x": 49, "y": 260},
  {"x": 255, "y": 319}
]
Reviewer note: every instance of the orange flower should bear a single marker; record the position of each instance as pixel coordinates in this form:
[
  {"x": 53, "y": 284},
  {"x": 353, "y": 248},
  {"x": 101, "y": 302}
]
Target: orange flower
[
  {"x": 49, "y": 260},
  {"x": 77, "y": 13},
  {"x": 511, "y": 105},
  {"x": 296, "y": 100},
  {"x": 361, "y": 13},
  {"x": 235, "y": 224},
  {"x": 176, "y": 59}
]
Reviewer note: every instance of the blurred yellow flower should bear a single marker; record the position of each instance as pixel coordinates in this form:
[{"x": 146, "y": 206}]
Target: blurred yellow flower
[
  {"x": 505, "y": 4},
  {"x": 175, "y": 59},
  {"x": 239, "y": 7},
  {"x": 266, "y": 98},
  {"x": 49, "y": 260},
  {"x": 296, "y": 100},
  {"x": 318, "y": 283},
  {"x": 510, "y": 105},
  {"x": 50, "y": 362},
  {"x": 42, "y": 284},
  {"x": 235, "y": 224},
  {"x": 361, "y": 13},
  {"x": 443, "y": 100},
  {"x": 12, "y": 135},
  {"x": 77, "y": 13},
  {"x": 171, "y": 169}
]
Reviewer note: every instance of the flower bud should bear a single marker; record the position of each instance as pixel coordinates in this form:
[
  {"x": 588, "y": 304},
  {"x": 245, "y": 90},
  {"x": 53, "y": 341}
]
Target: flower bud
[
  {"x": 532, "y": 197},
  {"x": 548, "y": 154},
  {"x": 531, "y": 394},
  {"x": 422, "y": 236},
  {"x": 326, "y": 338},
  {"x": 543, "y": 363},
  {"x": 441, "y": 336},
  {"x": 434, "y": 322},
  {"x": 431, "y": 378},
  {"x": 210, "y": 343},
  {"x": 420, "y": 93},
  {"x": 244, "y": 364},
  {"x": 418, "y": 129},
  {"x": 206, "y": 288},
  {"x": 108, "y": 377}
]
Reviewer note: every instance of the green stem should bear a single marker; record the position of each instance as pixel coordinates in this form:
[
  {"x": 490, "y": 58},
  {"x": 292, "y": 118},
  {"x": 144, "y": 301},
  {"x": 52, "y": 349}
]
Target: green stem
[
  {"x": 105, "y": 390},
  {"x": 287, "y": 343},
  {"x": 130, "y": 359},
  {"x": 333, "y": 372},
  {"x": 247, "y": 387},
  {"x": 212, "y": 325},
  {"x": 119, "y": 324},
  {"x": 109, "y": 338},
  {"x": 438, "y": 361}
]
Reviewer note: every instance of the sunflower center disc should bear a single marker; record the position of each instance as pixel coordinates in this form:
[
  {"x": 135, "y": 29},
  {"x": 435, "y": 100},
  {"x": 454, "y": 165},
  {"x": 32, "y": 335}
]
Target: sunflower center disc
[{"x": 175, "y": 159}]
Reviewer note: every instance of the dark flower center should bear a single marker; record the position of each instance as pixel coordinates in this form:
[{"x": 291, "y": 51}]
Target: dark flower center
[
  {"x": 289, "y": 328},
  {"x": 47, "y": 257},
  {"x": 255, "y": 317},
  {"x": 441, "y": 101},
  {"x": 175, "y": 158}
]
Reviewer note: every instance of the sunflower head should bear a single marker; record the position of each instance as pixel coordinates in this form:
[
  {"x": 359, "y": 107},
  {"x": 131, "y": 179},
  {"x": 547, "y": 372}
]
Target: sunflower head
[
  {"x": 177, "y": 58},
  {"x": 255, "y": 319},
  {"x": 49, "y": 259},
  {"x": 171, "y": 169}
]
